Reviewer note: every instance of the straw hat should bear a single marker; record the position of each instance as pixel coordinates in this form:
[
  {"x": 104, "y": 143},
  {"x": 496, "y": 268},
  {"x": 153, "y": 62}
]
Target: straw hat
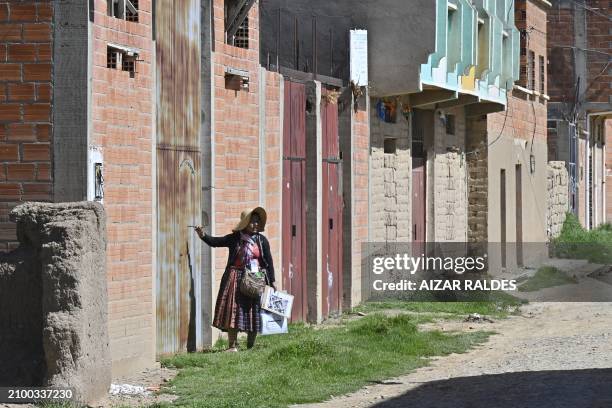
[{"x": 245, "y": 217}]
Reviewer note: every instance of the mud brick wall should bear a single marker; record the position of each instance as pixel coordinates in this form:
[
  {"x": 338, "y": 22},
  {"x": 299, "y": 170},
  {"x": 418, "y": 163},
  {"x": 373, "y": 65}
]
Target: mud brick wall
[
  {"x": 25, "y": 108},
  {"x": 57, "y": 281},
  {"x": 478, "y": 181},
  {"x": 557, "y": 197}
]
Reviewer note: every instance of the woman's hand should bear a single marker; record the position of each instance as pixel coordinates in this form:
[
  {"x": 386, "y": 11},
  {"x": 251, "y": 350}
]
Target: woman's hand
[{"x": 199, "y": 231}]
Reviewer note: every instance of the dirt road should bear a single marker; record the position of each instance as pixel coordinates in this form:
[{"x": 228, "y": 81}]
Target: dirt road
[{"x": 553, "y": 355}]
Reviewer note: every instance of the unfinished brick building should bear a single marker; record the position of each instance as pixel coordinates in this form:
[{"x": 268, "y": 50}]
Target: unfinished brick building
[
  {"x": 76, "y": 111},
  {"x": 579, "y": 49}
]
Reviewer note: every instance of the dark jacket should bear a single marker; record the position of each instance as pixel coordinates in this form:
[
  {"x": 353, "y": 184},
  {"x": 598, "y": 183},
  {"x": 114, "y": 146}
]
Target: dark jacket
[{"x": 232, "y": 241}]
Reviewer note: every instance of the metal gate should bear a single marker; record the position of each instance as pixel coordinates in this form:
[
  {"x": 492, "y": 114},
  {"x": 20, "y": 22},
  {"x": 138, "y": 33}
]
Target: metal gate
[
  {"x": 332, "y": 209},
  {"x": 178, "y": 283},
  {"x": 294, "y": 197}
]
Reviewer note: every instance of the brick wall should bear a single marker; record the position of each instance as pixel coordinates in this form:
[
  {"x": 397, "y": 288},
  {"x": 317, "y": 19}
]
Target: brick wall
[
  {"x": 560, "y": 33},
  {"x": 360, "y": 216},
  {"x": 236, "y": 131},
  {"x": 122, "y": 127},
  {"x": 599, "y": 38},
  {"x": 478, "y": 179},
  {"x": 25, "y": 108},
  {"x": 273, "y": 169}
]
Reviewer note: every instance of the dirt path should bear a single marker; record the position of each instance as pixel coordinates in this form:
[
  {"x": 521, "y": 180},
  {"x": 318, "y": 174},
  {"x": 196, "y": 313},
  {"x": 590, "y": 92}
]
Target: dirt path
[{"x": 553, "y": 355}]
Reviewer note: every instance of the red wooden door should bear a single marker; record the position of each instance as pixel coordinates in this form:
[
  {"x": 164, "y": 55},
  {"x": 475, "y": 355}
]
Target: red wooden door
[
  {"x": 294, "y": 198},
  {"x": 332, "y": 211},
  {"x": 418, "y": 206}
]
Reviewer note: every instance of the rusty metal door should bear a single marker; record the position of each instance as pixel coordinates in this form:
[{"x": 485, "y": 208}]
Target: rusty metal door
[
  {"x": 332, "y": 209},
  {"x": 178, "y": 283},
  {"x": 294, "y": 197}
]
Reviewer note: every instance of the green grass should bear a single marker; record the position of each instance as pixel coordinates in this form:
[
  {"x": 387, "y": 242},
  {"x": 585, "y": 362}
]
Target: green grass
[
  {"x": 309, "y": 365},
  {"x": 577, "y": 243},
  {"x": 546, "y": 277},
  {"x": 496, "y": 304}
]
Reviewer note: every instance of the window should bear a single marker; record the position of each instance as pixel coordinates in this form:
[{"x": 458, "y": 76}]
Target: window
[
  {"x": 237, "y": 22},
  {"x": 542, "y": 76},
  {"x": 531, "y": 71},
  {"x": 450, "y": 124},
  {"x": 390, "y": 145},
  {"x": 123, "y": 9},
  {"x": 124, "y": 58}
]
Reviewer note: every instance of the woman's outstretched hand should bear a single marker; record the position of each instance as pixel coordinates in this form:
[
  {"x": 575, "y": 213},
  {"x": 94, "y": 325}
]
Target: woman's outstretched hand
[{"x": 199, "y": 231}]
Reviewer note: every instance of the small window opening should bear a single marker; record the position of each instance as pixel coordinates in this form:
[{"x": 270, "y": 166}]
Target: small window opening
[
  {"x": 531, "y": 72},
  {"x": 450, "y": 124},
  {"x": 390, "y": 146},
  {"x": 112, "y": 56},
  {"x": 123, "y": 9},
  {"x": 116, "y": 57},
  {"x": 542, "y": 75},
  {"x": 240, "y": 38}
]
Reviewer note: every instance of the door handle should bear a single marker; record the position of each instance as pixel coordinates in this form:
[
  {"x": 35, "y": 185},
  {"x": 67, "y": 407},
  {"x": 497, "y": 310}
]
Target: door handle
[{"x": 414, "y": 232}]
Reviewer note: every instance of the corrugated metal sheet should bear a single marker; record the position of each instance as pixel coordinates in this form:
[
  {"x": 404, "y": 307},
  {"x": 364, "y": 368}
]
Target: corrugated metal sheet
[{"x": 178, "y": 175}]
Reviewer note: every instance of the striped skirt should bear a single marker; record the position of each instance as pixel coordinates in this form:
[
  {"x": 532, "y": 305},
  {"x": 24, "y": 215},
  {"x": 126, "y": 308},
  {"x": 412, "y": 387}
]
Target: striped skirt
[{"x": 234, "y": 310}]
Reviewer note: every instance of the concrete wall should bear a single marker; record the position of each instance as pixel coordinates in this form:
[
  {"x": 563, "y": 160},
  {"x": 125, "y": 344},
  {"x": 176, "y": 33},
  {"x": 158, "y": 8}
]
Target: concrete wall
[
  {"x": 121, "y": 128},
  {"x": 26, "y": 89},
  {"x": 390, "y": 181},
  {"x": 556, "y": 185},
  {"x": 391, "y": 24}
]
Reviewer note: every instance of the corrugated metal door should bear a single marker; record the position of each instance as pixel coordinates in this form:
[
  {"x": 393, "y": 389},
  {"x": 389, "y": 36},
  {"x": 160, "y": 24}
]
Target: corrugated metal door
[
  {"x": 332, "y": 210},
  {"x": 294, "y": 197},
  {"x": 178, "y": 293}
]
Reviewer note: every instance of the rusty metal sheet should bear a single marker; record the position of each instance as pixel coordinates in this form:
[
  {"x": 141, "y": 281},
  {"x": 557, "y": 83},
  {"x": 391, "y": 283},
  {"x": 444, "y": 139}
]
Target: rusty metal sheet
[{"x": 178, "y": 66}]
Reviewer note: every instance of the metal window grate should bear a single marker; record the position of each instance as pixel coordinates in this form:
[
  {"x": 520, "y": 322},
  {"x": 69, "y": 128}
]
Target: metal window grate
[
  {"x": 128, "y": 64},
  {"x": 531, "y": 72},
  {"x": 241, "y": 39},
  {"x": 131, "y": 13},
  {"x": 542, "y": 75},
  {"x": 112, "y": 56}
]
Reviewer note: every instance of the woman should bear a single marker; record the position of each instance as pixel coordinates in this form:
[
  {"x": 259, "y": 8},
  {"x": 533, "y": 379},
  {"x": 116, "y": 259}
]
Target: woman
[{"x": 248, "y": 248}]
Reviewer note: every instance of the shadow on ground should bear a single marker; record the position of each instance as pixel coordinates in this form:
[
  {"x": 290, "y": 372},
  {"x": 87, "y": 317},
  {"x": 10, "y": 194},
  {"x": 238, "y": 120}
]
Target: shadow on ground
[{"x": 537, "y": 389}]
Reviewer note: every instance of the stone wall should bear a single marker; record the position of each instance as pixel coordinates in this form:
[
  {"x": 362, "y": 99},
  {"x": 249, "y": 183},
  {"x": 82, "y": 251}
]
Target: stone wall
[
  {"x": 54, "y": 300},
  {"x": 557, "y": 197},
  {"x": 390, "y": 210},
  {"x": 447, "y": 178}
]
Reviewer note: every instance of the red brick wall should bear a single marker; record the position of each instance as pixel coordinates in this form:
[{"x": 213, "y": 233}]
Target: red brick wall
[
  {"x": 236, "y": 131},
  {"x": 25, "y": 108},
  {"x": 361, "y": 155},
  {"x": 273, "y": 174},
  {"x": 122, "y": 126},
  {"x": 599, "y": 38},
  {"x": 561, "y": 73}
]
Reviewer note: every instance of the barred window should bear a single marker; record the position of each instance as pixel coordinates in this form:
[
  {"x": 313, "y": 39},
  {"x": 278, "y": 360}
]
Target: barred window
[{"x": 123, "y": 9}]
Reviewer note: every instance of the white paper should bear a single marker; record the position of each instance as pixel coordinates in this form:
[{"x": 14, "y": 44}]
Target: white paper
[
  {"x": 272, "y": 323},
  {"x": 277, "y": 302},
  {"x": 359, "y": 57}
]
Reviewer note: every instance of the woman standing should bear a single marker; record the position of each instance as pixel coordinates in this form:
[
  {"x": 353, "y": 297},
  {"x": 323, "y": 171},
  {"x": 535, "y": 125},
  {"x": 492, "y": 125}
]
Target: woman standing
[{"x": 248, "y": 248}]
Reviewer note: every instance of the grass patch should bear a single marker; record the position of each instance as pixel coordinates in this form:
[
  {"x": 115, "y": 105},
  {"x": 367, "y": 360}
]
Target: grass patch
[
  {"x": 546, "y": 277},
  {"x": 309, "y": 365},
  {"x": 575, "y": 242},
  {"x": 497, "y": 304}
]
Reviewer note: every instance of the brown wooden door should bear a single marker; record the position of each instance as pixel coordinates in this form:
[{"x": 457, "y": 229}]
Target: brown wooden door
[
  {"x": 294, "y": 198},
  {"x": 418, "y": 202},
  {"x": 332, "y": 211}
]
